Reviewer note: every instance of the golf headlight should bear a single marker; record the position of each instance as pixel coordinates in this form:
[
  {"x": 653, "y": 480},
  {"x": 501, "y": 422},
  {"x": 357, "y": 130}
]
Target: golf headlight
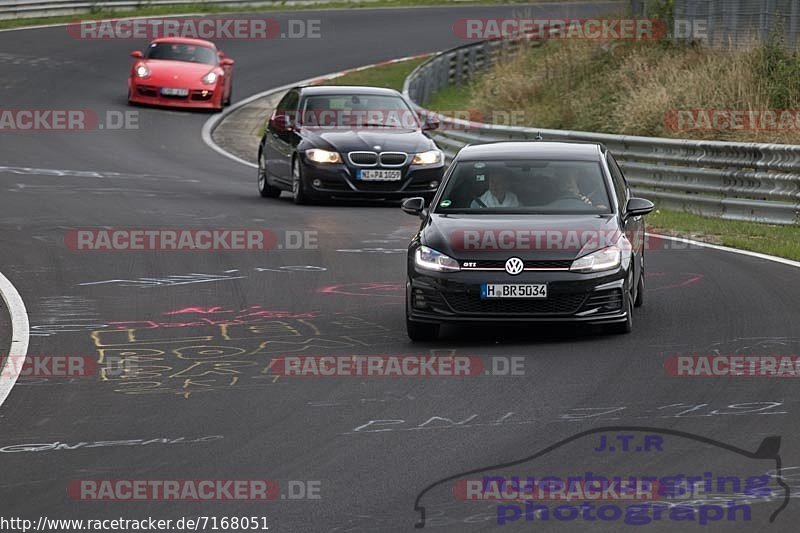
[
  {"x": 605, "y": 259},
  {"x": 431, "y": 157},
  {"x": 142, "y": 71},
  {"x": 210, "y": 78},
  {"x": 323, "y": 156},
  {"x": 430, "y": 259}
]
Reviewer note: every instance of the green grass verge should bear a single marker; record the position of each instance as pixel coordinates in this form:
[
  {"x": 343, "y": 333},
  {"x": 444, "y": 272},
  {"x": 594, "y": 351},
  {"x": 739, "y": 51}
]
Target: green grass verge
[
  {"x": 779, "y": 240},
  {"x": 451, "y": 98},
  {"x": 210, "y": 8},
  {"x": 390, "y": 76}
]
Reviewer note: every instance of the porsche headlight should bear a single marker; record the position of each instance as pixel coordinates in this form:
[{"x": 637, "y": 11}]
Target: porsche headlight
[
  {"x": 142, "y": 71},
  {"x": 323, "y": 156},
  {"x": 432, "y": 157},
  {"x": 430, "y": 259},
  {"x": 605, "y": 259},
  {"x": 210, "y": 78}
]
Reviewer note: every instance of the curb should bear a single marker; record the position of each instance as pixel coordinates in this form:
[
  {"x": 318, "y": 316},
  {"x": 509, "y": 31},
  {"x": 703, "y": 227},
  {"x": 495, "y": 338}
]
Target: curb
[{"x": 20, "y": 336}]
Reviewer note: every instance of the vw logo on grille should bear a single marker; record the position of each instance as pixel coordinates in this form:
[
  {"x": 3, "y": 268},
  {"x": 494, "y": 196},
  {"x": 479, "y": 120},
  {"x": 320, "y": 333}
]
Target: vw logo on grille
[{"x": 514, "y": 266}]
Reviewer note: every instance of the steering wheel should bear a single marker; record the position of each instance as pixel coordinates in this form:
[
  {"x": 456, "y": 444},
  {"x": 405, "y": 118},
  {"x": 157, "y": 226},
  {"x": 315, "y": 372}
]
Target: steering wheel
[{"x": 568, "y": 203}]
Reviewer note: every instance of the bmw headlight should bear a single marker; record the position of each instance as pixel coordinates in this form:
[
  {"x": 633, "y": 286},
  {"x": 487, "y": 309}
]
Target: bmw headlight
[
  {"x": 605, "y": 259},
  {"x": 323, "y": 156},
  {"x": 142, "y": 71},
  {"x": 210, "y": 78},
  {"x": 431, "y": 157},
  {"x": 430, "y": 259}
]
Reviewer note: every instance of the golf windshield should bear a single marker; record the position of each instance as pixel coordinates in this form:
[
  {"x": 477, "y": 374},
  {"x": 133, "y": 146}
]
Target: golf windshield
[{"x": 526, "y": 186}]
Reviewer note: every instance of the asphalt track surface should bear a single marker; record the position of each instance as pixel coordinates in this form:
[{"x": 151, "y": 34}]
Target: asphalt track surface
[{"x": 372, "y": 443}]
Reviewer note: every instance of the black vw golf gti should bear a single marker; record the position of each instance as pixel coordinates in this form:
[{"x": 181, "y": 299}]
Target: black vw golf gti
[
  {"x": 348, "y": 142},
  {"x": 527, "y": 231}
]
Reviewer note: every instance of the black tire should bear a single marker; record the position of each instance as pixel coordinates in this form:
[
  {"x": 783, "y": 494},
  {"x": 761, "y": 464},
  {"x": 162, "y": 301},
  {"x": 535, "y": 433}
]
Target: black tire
[
  {"x": 264, "y": 188},
  {"x": 299, "y": 194},
  {"x": 422, "y": 331},
  {"x": 640, "y": 288},
  {"x": 227, "y": 101}
]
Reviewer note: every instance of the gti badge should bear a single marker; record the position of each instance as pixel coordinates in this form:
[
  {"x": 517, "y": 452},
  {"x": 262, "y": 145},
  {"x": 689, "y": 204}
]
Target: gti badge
[{"x": 514, "y": 265}]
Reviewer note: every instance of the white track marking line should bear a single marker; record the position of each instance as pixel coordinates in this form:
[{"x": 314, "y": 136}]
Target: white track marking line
[
  {"x": 20, "y": 335},
  {"x": 748, "y": 253}
]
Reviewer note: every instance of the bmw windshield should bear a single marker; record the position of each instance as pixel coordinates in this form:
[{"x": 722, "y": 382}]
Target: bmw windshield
[
  {"x": 534, "y": 186},
  {"x": 349, "y": 111}
]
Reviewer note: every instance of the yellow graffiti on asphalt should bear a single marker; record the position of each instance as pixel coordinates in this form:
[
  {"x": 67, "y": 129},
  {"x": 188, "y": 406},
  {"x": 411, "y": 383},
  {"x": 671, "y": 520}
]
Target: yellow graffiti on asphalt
[{"x": 207, "y": 358}]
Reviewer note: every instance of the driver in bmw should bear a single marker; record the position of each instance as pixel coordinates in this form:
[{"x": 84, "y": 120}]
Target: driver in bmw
[{"x": 497, "y": 195}]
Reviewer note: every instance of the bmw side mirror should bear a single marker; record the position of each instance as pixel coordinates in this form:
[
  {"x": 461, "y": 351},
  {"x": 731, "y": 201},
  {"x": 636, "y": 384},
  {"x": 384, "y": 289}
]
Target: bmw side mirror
[
  {"x": 414, "y": 206},
  {"x": 281, "y": 123},
  {"x": 638, "y": 207},
  {"x": 136, "y": 54},
  {"x": 431, "y": 123}
]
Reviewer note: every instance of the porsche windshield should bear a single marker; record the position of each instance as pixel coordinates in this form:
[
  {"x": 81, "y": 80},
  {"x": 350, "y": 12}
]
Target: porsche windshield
[
  {"x": 181, "y": 52},
  {"x": 526, "y": 186}
]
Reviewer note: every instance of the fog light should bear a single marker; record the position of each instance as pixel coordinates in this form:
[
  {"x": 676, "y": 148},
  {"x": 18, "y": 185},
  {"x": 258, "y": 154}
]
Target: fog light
[
  {"x": 204, "y": 93},
  {"x": 419, "y": 300},
  {"x": 317, "y": 183},
  {"x": 434, "y": 184}
]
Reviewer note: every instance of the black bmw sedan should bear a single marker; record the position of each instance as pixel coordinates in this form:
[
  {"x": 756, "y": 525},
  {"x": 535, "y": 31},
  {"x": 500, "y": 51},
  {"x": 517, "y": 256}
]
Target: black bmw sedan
[
  {"x": 534, "y": 231},
  {"x": 327, "y": 142}
]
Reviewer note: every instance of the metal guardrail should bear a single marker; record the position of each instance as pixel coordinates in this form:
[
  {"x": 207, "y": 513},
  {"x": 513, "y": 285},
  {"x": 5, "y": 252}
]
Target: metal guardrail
[{"x": 740, "y": 181}]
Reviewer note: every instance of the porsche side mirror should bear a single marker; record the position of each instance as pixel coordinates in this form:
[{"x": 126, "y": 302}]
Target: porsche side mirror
[{"x": 136, "y": 54}]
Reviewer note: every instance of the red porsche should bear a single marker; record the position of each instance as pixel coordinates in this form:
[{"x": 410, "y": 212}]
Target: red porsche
[{"x": 181, "y": 73}]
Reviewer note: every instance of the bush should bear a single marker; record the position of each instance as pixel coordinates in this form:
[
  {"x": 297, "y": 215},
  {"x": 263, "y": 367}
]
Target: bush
[{"x": 631, "y": 87}]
